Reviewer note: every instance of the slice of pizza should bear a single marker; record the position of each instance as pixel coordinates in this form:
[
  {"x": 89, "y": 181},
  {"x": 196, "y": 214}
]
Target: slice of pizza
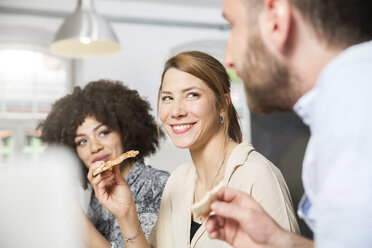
[
  {"x": 201, "y": 208},
  {"x": 111, "y": 163}
]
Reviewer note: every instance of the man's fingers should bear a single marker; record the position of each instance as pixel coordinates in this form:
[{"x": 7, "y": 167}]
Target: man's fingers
[
  {"x": 229, "y": 195},
  {"x": 214, "y": 222},
  {"x": 211, "y": 223},
  {"x": 228, "y": 210},
  {"x": 237, "y": 198},
  {"x": 217, "y": 234},
  {"x": 215, "y": 230},
  {"x": 220, "y": 221}
]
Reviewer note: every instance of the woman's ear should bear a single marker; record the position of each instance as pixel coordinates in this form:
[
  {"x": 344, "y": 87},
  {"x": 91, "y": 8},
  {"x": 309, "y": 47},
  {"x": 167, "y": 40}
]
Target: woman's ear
[
  {"x": 276, "y": 22},
  {"x": 227, "y": 99}
]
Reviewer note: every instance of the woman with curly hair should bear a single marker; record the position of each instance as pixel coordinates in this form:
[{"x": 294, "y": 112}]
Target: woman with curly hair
[{"x": 100, "y": 122}]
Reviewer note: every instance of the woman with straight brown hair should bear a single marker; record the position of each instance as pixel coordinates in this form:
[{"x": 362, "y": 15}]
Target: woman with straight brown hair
[{"x": 196, "y": 111}]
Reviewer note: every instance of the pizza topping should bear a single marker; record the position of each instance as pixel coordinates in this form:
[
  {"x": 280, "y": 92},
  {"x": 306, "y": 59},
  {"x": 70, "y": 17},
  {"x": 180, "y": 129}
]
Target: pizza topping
[{"x": 111, "y": 163}]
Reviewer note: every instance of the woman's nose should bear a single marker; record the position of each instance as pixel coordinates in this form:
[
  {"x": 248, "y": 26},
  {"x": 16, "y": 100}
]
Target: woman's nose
[
  {"x": 178, "y": 109},
  {"x": 95, "y": 146}
]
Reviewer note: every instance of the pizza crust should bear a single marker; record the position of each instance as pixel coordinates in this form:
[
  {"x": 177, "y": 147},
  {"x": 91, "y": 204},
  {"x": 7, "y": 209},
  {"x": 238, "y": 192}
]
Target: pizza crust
[
  {"x": 111, "y": 163},
  {"x": 201, "y": 208}
]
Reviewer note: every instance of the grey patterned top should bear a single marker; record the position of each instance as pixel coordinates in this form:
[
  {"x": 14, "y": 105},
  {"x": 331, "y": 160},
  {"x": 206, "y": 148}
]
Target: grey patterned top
[{"x": 146, "y": 184}]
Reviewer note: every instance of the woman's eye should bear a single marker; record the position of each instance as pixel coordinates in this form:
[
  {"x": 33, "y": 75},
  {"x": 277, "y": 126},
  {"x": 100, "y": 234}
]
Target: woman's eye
[
  {"x": 104, "y": 133},
  {"x": 81, "y": 142},
  {"x": 192, "y": 95},
  {"x": 166, "y": 98}
]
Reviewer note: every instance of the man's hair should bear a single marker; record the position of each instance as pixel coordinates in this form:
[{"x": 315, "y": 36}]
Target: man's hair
[
  {"x": 111, "y": 103},
  {"x": 339, "y": 23}
]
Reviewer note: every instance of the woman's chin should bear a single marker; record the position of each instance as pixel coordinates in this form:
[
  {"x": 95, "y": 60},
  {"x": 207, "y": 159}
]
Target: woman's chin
[{"x": 182, "y": 145}]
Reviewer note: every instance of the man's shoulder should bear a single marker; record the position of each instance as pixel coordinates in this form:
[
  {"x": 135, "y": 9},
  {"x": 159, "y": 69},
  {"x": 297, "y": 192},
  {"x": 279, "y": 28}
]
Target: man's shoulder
[{"x": 348, "y": 64}]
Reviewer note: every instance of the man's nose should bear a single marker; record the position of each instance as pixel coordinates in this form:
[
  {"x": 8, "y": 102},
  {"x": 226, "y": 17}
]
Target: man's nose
[{"x": 228, "y": 60}]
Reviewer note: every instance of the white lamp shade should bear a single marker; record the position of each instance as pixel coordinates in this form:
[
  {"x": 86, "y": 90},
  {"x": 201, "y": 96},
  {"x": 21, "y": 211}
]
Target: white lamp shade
[{"x": 85, "y": 34}]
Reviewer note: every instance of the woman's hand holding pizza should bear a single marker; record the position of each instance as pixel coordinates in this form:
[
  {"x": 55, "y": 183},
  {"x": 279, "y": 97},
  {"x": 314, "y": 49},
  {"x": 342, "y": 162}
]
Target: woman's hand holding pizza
[{"x": 112, "y": 190}]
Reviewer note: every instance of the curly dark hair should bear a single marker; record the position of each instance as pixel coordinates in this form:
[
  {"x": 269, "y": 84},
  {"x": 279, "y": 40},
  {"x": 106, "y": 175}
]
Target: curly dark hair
[{"x": 112, "y": 104}]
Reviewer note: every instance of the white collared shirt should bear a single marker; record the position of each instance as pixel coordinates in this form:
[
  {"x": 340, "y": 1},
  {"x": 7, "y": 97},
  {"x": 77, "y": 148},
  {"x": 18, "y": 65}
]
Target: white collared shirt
[{"x": 337, "y": 169}]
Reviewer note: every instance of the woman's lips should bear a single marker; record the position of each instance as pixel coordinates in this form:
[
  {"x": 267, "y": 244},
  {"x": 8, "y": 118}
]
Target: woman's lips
[
  {"x": 105, "y": 158},
  {"x": 181, "y": 128}
]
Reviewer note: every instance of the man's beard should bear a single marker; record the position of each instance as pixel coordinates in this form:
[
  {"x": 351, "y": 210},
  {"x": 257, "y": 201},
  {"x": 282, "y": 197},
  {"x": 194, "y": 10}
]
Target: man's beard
[{"x": 268, "y": 83}]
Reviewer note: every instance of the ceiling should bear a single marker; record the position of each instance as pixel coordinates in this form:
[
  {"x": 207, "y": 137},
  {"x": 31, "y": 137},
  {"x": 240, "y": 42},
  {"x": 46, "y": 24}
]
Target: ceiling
[
  {"x": 207, "y": 13},
  {"x": 206, "y": 3}
]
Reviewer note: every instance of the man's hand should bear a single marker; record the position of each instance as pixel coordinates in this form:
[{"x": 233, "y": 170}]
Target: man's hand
[{"x": 242, "y": 222}]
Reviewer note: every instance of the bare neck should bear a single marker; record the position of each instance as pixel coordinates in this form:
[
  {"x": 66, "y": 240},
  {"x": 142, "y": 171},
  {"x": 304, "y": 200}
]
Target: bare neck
[{"x": 209, "y": 157}]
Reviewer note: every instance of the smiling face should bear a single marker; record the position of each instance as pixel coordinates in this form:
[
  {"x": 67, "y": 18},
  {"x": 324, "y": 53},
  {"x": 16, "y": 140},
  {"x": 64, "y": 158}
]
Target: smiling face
[
  {"x": 188, "y": 109},
  {"x": 96, "y": 142}
]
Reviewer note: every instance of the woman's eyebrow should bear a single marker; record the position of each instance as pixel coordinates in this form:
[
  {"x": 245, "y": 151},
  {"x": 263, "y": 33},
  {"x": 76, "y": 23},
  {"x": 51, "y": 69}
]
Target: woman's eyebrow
[
  {"x": 94, "y": 129},
  {"x": 184, "y": 90},
  {"x": 191, "y": 88},
  {"x": 97, "y": 127}
]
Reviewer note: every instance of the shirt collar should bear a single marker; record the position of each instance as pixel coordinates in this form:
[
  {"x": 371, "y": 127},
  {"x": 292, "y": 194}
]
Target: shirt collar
[
  {"x": 304, "y": 105},
  {"x": 237, "y": 158},
  {"x": 306, "y": 102}
]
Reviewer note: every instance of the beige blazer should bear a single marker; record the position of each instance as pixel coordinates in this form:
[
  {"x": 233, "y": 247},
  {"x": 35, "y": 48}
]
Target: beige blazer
[{"x": 246, "y": 170}]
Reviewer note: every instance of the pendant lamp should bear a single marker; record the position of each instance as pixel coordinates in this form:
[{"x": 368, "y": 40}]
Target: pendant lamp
[{"x": 85, "y": 34}]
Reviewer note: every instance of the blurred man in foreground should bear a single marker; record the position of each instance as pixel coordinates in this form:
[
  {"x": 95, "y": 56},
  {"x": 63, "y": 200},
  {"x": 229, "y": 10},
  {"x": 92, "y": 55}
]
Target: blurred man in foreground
[{"x": 314, "y": 57}]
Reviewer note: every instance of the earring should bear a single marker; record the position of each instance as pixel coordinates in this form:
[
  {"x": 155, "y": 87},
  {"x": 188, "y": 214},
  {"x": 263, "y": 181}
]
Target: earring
[{"x": 222, "y": 119}]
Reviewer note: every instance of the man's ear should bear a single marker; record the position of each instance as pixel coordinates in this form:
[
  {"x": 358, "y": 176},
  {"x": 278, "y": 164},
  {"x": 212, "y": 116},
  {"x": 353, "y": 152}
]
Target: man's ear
[{"x": 277, "y": 22}]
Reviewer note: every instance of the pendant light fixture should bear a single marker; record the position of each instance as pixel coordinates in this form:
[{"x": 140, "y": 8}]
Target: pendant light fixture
[{"x": 85, "y": 34}]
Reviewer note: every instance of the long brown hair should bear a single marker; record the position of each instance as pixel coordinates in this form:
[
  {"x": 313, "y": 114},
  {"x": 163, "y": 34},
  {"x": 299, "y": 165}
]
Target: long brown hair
[{"x": 214, "y": 75}]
